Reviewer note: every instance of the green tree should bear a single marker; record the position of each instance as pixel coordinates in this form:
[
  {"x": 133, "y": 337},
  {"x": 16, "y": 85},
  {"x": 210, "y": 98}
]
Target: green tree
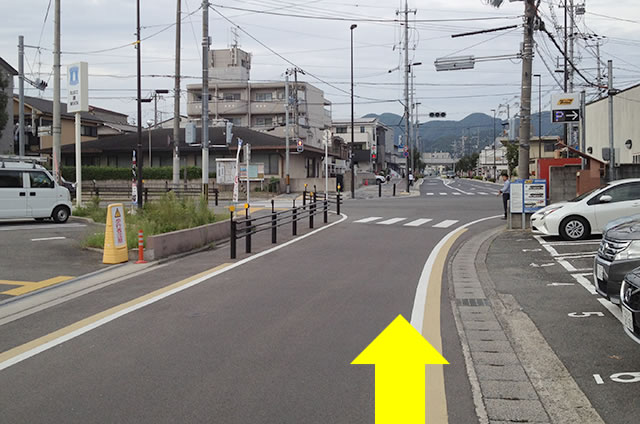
[
  {"x": 468, "y": 163},
  {"x": 512, "y": 157},
  {"x": 417, "y": 160},
  {"x": 4, "y": 99}
]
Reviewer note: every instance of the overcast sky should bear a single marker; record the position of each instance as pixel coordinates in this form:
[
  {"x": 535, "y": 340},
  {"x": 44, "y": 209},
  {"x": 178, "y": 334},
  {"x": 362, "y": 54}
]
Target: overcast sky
[{"x": 318, "y": 46}]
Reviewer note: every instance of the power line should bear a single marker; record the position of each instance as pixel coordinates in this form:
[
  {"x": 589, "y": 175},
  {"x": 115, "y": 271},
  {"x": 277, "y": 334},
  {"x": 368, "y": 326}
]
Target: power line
[{"x": 331, "y": 18}]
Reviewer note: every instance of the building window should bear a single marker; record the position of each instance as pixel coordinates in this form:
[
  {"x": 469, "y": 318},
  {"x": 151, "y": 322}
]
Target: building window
[
  {"x": 549, "y": 147},
  {"x": 341, "y": 130},
  {"x": 198, "y": 97},
  {"x": 231, "y": 97},
  {"x": 264, "y": 122},
  {"x": 363, "y": 129},
  {"x": 636, "y": 158},
  {"x": 271, "y": 164},
  {"x": 88, "y": 131},
  {"x": 264, "y": 97}
]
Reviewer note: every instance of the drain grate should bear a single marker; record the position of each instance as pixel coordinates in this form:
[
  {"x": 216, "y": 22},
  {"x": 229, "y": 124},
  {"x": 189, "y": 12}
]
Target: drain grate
[{"x": 473, "y": 302}]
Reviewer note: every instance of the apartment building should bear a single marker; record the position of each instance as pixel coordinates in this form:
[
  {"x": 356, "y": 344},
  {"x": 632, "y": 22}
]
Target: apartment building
[
  {"x": 259, "y": 106},
  {"x": 367, "y": 132}
]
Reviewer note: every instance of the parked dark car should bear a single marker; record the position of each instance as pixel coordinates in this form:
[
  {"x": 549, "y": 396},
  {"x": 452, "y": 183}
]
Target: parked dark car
[
  {"x": 618, "y": 254},
  {"x": 631, "y": 304},
  {"x": 69, "y": 186}
]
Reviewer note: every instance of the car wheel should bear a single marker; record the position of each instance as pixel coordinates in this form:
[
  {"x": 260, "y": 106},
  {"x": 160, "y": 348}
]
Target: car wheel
[
  {"x": 60, "y": 214},
  {"x": 575, "y": 228}
]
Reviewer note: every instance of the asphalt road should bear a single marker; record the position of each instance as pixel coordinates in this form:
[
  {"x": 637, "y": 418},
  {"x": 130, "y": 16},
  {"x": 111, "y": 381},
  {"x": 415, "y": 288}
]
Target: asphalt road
[
  {"x": 552, "y": 281},
  {"x": 44, "y": 251},
  {"x": 269, "y": 341}
]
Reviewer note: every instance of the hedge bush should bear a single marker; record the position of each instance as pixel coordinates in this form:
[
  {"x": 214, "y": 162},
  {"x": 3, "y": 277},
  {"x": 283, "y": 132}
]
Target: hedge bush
[{"x": 101, "y": 173}]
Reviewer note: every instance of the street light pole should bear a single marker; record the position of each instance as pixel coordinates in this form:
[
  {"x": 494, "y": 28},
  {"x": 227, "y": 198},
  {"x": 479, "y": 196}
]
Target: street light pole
[
  {"x": 353, "y": 189},
  {"x": 539, "y": 115},
  {"x": 139, "y": 120},
  {"x": 495, "y": 174}
]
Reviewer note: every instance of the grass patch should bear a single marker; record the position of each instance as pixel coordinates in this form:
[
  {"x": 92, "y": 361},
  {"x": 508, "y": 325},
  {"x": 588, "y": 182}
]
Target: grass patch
[
  {"x": 157, "y": 217},
  {"x": 92, "y": 210}
]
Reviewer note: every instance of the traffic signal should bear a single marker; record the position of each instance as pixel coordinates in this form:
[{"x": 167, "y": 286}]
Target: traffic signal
[
  {"x": 437, "y": 114},
  {"x": 300, "y": 146}
]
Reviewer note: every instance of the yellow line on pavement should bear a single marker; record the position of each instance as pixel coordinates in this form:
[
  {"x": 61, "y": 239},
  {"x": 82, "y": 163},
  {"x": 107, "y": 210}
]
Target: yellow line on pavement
[
  {"x": 436, "y": 399},
  {"x": 28, "y": 286},
  {"x": 34, "y": 344}
]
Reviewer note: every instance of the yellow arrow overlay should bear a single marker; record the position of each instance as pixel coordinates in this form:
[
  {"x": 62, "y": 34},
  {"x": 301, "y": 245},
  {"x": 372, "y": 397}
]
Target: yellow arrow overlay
[{"x": 400, "y": 354}]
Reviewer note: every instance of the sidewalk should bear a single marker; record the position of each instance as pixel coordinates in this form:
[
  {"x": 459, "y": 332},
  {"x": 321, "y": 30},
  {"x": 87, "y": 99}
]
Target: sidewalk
[{"x": 514, "y": 374}]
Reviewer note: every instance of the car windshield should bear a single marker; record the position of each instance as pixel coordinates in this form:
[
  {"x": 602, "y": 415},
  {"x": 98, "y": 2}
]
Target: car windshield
[{"x": 587, "y": 194}]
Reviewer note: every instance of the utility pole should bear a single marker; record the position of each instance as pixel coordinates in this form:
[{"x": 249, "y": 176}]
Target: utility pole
[
  {"x": 286, "y": 131},
  {"x": 56, "y": 128},
  {"x": 205, "y": 100},
  {"x": 21, "y": 95},
  {"x": 612, "y": 152},
  {"x": 296, "y": 105},
  {"x": 351, "y": 150},
  {"x": 176, "y": 101},
  {"x": 525, "y": 101},
  {"x": 139, "y": 120},
  {"x": 407, "y": 109}
]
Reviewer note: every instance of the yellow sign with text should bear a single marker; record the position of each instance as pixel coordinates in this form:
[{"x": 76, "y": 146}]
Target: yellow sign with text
[{"x": 115, "y": 236}]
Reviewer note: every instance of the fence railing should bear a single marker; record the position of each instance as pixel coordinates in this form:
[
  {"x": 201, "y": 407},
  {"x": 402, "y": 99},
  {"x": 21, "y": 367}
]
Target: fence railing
[
  {"x": 248, "y": 226},
  {"x": 180, "y": 191}
]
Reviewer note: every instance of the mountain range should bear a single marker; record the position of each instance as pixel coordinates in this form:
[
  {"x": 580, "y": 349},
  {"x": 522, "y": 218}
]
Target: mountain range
[{"x": 440, "y": 135}]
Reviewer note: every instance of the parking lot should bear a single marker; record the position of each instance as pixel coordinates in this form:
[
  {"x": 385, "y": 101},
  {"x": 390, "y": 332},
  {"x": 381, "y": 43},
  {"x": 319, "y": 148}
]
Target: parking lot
[
  {"x": 41, "y": 254},
  {"x": 552, "y": 280}
]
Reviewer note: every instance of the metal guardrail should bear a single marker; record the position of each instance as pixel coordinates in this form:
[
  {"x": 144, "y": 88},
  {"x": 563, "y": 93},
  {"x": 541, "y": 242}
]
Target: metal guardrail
[
  {"x": 180, "y": 191},
  {"x": 248, "y": 226}
]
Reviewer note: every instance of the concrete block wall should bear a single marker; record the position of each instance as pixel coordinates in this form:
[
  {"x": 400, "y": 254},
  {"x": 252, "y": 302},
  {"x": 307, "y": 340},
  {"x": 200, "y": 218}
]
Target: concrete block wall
[{"x": 563, "y": 182}]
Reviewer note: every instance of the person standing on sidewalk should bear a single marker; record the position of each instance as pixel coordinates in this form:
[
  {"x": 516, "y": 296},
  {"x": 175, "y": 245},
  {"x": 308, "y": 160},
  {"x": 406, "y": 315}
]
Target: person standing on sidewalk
[
  {"x": 410, "y": 178},
  {"x": 506, "y": 192}
]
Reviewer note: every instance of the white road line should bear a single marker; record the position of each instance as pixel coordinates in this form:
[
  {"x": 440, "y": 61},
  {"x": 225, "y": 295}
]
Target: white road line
[
  {"x": 546, "y": 246},
  {"x": 456, "y": 194},
  {"x": 48, "y": 238},
  {"x": 370, "y": 219},
  {"x": 391, "y": 221},
  {"x": 417, "y": 222},
  {"x": 568, "y": 243},
  {"x": 420, "y": 299},
  {"x": 482, "y": 193},
  {"x": 42, "y": 227},
  {"x": 443, "y": 194},
  {"x": 615, "y": 310},
  {"x": 585, "y": 282},
  {"x": 82, "y": 330},
  {"x": 430, "y": 194},
  {"x": 446, "y": 224},
  {"x": 566, "y": 265}
]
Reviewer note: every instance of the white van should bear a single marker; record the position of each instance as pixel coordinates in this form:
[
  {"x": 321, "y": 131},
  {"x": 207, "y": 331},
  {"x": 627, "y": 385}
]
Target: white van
[{"x": 28, "y": 190}]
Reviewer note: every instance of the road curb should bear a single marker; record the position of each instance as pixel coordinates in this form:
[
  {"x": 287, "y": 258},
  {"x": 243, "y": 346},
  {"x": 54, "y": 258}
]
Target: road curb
[{"x": 515, "y": 375}]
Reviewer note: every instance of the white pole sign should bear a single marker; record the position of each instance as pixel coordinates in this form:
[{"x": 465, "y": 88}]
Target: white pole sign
[{"x": 78, "y": 87}]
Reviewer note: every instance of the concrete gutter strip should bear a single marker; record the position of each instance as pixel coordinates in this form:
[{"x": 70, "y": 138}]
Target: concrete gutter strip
[{"x": 515, "y": 375}]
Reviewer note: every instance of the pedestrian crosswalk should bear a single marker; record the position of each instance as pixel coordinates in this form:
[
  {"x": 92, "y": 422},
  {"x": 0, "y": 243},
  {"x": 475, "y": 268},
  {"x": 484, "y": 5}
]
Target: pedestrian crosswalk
[
  {"x": 457, "y": 193},
  {"x": 406, "y": 222}
]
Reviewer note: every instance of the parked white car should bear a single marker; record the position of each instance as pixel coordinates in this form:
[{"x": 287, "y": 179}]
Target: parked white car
[
  {"x": 29, "y": 191},
  {"x": 589, "y": 213}
]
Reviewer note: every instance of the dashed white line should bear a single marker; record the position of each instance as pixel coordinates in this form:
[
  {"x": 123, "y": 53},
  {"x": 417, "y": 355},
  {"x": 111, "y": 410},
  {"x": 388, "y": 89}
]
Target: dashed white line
[
  {"x": 445, "y": 224},
  {"x": 391, "y": 221},
  {"x": 418, "y": 222},
  {"x": 48, "y": 238},
  {"x": 370, "y": 219},
  {"x": 443, "y": 194}
]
